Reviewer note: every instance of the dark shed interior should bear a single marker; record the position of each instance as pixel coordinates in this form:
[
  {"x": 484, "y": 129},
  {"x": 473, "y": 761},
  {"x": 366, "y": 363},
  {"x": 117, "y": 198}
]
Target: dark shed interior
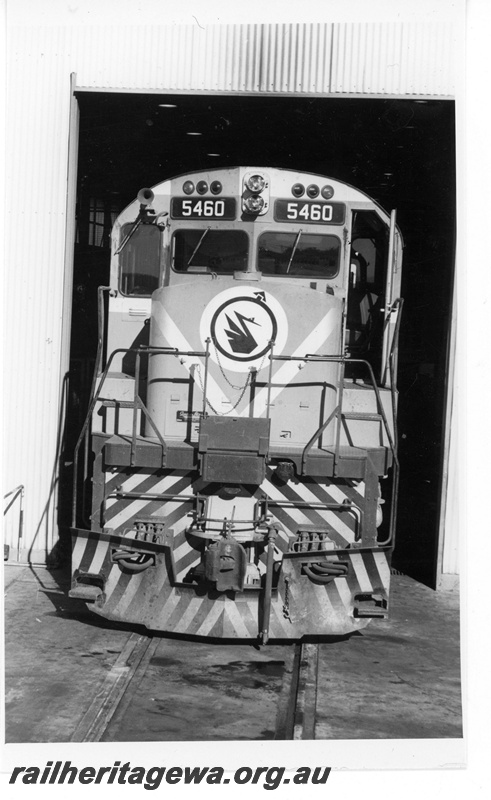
[{"x": 401, "y": 152}]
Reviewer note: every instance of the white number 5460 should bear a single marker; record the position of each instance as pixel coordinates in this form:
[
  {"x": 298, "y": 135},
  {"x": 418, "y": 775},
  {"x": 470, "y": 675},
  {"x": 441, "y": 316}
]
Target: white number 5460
[
  {"x": 203, "y": 208},
  {"x": 314, "y": 212}
]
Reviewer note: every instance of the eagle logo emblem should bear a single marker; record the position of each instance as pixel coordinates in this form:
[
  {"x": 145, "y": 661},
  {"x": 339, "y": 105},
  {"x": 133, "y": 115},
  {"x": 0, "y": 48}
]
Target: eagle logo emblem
[{"x": 242, "y": 328}]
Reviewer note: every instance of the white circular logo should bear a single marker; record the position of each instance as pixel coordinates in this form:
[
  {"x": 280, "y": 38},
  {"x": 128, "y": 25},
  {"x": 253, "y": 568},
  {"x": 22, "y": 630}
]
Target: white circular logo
[{"x": 242, "y": 324}]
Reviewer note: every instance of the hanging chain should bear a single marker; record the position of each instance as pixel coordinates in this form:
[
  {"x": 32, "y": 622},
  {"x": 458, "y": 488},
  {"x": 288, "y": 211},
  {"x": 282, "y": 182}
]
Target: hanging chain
[
  {"x": 232, "y": 386},
  {"x": 242, "y": 389},
  {"x": 218, "y": 413},
  {"x": 197, "y": 369},
  {"x": 286, "y": 604},
  {"x": 222, "y": 370}
]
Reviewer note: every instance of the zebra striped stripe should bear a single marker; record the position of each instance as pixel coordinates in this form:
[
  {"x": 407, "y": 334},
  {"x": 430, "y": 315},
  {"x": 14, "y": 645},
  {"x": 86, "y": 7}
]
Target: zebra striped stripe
[
  {"x": 361, "y": 572},
  {"x": 301, "y": 492},
  {"x": 209, "y": 620},
  {"x": 118, "y": 516}
]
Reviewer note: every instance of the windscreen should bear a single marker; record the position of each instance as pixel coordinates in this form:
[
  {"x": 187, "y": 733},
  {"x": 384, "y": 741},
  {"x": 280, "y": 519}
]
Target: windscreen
[
  {"x": 222, "y": 251},
  {"x": 299, "y": 255}
]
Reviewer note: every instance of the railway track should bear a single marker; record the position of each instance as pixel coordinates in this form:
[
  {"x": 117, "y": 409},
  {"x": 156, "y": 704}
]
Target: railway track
[{"x": 158, "y": 689}]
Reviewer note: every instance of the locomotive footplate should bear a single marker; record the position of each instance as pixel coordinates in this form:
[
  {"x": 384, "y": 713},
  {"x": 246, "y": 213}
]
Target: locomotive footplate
[{"x": 148, "y": 452}]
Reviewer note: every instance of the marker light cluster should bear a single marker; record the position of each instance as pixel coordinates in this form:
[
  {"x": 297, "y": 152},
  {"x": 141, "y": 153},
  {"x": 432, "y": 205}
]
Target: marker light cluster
[
  {"x": 298, "y": 190},
  {"x": 201, "y": 187},
  {"x": 255, "y": 197}
]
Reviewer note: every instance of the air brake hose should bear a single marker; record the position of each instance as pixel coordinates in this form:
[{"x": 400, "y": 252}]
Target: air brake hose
[
  {"x": 122, "y": 558},
  {"x": 329, "y": 570},
  {"x": 324, "y": 574}
]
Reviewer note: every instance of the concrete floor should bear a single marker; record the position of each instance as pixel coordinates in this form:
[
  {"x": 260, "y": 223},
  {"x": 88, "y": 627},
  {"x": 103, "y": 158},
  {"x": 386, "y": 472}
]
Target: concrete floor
[
  {"x": 193, "y": 692},
  {"x": 397, "y": 679}
]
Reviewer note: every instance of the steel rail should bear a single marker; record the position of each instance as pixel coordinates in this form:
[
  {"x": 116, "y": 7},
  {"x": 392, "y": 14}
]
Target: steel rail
[
  {"x": 112, "y": 694},
  {"x": 298, "y": 698}
]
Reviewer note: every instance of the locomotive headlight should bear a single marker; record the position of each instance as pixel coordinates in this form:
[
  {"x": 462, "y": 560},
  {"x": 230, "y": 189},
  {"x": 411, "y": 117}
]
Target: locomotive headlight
[
  {"x": 255, "y": 183},
  {"x": 327, "y": 192},
  {"x": 254, "y": 204},
  {"x": 255, "y": 195},
  {"x": 188, "y": 187}
]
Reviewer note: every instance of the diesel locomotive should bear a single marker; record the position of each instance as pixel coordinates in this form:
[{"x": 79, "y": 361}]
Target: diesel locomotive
[{"x": 236, "y": 476}]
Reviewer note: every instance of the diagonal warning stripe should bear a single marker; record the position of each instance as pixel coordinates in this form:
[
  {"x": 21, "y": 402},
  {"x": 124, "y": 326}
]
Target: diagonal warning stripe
[
  {"x": 302, "y": 492},
  {"x": 209, "y": 620},
  {"x": 302, "y": 516},
  {"x": 174, "y": 336},
  {"x": 125, "y": 509},
  {"x": 99, "y": 557},
  {"x": 113, "y": 479},
  {"x": 289, "y": 369},
  {"x": 361, "y": 572}
]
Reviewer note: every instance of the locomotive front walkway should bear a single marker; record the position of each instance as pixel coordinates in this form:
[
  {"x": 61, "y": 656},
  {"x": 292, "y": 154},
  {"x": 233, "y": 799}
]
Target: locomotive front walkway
[{"x": 397, "y": 679}]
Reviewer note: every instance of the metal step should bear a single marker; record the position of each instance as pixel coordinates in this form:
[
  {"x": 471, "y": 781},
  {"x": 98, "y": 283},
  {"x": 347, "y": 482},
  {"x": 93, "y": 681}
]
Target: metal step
[
  {"x": 362, "y": 415},
  {"x": 86, "y": 592}
]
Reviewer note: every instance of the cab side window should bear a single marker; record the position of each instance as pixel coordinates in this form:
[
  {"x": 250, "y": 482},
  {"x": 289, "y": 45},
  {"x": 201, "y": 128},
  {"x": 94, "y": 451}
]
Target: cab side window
[{"x": 140, "y": 261}]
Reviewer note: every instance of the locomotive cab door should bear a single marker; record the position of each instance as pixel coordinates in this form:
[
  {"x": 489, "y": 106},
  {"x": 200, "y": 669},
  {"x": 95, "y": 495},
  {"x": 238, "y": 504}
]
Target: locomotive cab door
[
  {"x": 373, "y": 279},
  {"x": 135, "y": 274}
]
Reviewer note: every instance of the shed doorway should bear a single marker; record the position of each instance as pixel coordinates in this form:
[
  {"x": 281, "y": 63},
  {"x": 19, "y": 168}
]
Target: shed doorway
[{"x": 400, "y": 151}]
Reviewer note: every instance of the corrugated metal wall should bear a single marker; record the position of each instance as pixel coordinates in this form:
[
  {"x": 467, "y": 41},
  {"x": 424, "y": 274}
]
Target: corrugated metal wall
[
  {"x": 397, "y": 59},
  {"x": 36, "y": 176},
  {"x": 393, "y": 59},
  {"x": 309, "y": 58}
]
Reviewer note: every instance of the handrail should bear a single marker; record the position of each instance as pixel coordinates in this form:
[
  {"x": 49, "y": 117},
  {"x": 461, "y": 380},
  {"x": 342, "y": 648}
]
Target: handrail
[
  {"x": 272, "y": 357},
  {"x": 100, "y": 329},
  {"x": 15, "y": 493},
  {"x": 397, "y": 304},
  {"x": 205, "y": 379},
  {"x": 334, "y": 413},
  {"x": 343, "y": 359},
  {"x": 137, "y": 403}
]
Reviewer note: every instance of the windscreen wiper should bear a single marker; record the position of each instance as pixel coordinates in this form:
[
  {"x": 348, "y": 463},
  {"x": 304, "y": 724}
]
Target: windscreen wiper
[
  {"x": 197, "y": 246},
  {"x": 294, "y": 248},
  {"x": 145, "y": 214},
  {"x": 130, "y": 233}
]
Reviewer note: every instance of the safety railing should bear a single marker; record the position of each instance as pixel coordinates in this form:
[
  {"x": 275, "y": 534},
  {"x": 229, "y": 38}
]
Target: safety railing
[
  {"x": 136, "y": 405},
  {"x": 337, "y": 415}
]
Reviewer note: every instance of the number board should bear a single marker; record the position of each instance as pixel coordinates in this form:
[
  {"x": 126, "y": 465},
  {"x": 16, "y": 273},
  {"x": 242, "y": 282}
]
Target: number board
[
  {"x": 199, "y": 208},
  {"x": 306, "y": 211}
]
